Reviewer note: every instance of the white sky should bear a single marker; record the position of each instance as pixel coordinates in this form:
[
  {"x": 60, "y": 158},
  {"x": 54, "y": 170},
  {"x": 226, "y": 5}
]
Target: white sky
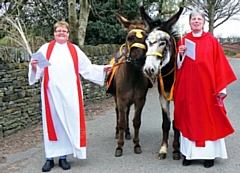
[{"x": 230, "y": 28}]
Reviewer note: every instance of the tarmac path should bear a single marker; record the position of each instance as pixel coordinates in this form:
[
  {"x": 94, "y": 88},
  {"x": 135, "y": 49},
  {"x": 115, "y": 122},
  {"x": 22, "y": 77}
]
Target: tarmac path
[{"x": 101, "y": 144}]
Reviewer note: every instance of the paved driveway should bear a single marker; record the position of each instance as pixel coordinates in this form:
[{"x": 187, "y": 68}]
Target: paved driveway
[{"x": 101, "y": 144}]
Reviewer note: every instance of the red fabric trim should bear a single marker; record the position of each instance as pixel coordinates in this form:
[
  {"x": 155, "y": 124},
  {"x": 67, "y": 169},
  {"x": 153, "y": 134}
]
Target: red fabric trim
[
  {"x": 83, "y": 141},
  {"x": 50, "y": 127},
  {"x": 200, "y": 143}
]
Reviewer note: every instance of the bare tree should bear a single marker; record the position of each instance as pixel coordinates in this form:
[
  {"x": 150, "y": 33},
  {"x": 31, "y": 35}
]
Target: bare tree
[
  {"x": 216, "y": 11},
  {"x": 78, "y": 25}
]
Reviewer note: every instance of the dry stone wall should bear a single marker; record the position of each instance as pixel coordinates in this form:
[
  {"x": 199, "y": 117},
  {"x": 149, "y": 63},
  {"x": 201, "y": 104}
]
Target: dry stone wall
[{"x": 20, "y": 103}]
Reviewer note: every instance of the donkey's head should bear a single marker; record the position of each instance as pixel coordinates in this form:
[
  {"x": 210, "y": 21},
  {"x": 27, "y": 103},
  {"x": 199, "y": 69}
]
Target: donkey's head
[
  {"x": 161, "y": 42},
  {"x": 135, "y": 45}
]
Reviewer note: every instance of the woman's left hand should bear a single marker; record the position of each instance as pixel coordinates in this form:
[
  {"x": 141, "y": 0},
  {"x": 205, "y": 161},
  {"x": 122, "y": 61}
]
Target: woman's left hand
[{"x": 107, "y": 68}]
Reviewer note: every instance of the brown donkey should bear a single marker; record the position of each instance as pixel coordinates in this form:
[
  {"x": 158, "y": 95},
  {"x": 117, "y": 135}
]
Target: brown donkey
[{"x": 129, "y": 85}]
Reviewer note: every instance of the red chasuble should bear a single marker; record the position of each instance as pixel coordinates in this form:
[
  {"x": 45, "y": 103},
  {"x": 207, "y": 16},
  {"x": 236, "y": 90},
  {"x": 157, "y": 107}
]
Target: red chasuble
[
  {"x": 50, "y": 126},
  {"x": 197, "y": 113}
]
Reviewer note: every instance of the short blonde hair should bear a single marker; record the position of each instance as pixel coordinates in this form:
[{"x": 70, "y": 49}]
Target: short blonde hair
[{"x": 61, "y": 24}]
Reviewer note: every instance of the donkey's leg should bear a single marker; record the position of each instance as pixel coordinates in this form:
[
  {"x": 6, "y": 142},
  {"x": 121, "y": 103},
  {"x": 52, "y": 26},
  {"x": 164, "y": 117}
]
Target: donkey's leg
[
  {"x": 166, "y": 123},
  {"x": 117, "y": 126},
  {"x": 122, "y": 125},
  {"x": 176, "y": 143},
  {"x": 138, "y": 106},
  {"x": 127, "y": 130}
]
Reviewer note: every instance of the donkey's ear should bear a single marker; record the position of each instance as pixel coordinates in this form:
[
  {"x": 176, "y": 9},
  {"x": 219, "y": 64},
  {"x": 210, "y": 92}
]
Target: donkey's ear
[
  {"x": 124, "y": 22},
  {"x": 149, "y": 21},
  {"x": 170, "y": 22},
  {"x": 146, "y": 19}
]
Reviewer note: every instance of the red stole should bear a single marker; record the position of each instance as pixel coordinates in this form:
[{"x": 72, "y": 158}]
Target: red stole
[{"x": 50, "y": 127}]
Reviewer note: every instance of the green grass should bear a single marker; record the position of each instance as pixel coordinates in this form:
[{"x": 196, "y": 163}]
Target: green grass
[{"x": 229, "y": 53}]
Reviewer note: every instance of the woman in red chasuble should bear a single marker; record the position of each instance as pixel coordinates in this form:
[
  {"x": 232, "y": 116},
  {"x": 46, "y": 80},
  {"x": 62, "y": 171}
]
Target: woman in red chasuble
[{"x": 203, "y": 73}]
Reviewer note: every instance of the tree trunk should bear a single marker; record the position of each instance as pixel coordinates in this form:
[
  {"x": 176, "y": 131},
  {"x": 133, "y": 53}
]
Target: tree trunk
[
  {"x": 73, "y": 22},
  {"x": 211, "y": 18},
  {"x": 83, "y": 21}
]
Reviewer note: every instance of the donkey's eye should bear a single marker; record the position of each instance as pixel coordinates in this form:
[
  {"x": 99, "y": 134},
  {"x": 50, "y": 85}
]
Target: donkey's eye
[
  {"x": 162, "y": 44},
  {"x": 130, "y": 39}
]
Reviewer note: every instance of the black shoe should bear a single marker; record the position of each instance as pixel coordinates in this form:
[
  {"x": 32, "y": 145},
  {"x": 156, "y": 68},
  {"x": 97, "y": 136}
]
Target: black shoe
[
  {"x": 48, "y": 166},
  {"x": 208, "y": 163},
  {"x": 186, "y": 162},
  {"x": 64, "y": 164}
]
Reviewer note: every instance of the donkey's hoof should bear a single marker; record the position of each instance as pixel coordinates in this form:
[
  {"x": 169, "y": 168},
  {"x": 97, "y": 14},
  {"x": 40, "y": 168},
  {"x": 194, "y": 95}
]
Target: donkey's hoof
[
  {"x": 127, "y": 136},
  {"x": 118, "y": 152},
  {"x": 138, "y": 150},
  {"x": 176, "y": 156},
  {"x": 162, "y": 156}
]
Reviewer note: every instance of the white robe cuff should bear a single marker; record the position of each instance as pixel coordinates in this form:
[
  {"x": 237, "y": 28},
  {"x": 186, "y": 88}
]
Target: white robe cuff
[
  {"x": 34, "y": 77},
  {"x": 96, "y": 75},
  {"x": 179, "y": 62}
]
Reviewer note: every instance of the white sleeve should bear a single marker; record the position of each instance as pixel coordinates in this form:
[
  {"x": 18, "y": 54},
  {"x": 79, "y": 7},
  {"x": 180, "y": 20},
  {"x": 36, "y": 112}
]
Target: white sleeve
[
  {"x": 223, "y": 93},
  {"x": 92, "y": 72},
  {"x": 34, "y": 77}
]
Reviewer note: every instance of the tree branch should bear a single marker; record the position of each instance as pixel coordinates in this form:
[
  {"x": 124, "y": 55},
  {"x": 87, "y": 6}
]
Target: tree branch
[{"x": 46, "y": 9}]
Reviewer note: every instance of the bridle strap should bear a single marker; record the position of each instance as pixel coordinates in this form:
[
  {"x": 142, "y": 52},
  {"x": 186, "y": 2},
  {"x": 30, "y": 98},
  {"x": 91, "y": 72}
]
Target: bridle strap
[
  {"x": 153, "y": 53},
  {"x": 119, "y": 63},
  {"x": 120, "y": 50},
  {"x": 174, "y": 79},
  {"x": 138, "y": 32},
  {"x": 169, "y": 72},
  {"x": 139, "y": 45},
  {"x": 156, "y": 53}
]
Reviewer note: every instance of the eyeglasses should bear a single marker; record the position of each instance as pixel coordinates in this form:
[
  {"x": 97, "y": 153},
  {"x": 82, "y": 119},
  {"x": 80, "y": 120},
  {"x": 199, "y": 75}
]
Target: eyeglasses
[{"x": 61, "y": 31}]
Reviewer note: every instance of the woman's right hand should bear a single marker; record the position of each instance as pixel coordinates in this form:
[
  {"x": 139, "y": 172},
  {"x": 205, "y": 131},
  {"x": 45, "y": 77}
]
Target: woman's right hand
[
  {"x": 34, "y": 63},
  {"x": 182, "y": 49}
]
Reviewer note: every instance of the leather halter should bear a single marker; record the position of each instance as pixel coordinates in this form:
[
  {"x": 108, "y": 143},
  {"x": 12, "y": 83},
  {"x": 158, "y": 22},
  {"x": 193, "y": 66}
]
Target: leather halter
[
  {"x": 156, "y": 53},
  {"x": 174, "y": 79},
  {"x": 160, "y": 76},
  {"x": 138, "y": 45}
]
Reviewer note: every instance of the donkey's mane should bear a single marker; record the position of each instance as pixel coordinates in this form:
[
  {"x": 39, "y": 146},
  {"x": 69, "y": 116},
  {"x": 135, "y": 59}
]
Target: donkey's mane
[
  {"x": 137, "y": 25},
  {"x": 161, "y": 25},
  {"x": 176, "y": 35}
]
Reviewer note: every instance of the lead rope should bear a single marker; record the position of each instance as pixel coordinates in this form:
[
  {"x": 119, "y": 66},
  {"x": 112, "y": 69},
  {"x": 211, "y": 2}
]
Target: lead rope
[{"x": 174, "y": 79}]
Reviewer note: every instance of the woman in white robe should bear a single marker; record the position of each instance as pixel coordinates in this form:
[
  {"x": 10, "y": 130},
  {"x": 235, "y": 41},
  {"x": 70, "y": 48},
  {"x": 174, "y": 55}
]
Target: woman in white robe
[{"x": 64, "y": 96}]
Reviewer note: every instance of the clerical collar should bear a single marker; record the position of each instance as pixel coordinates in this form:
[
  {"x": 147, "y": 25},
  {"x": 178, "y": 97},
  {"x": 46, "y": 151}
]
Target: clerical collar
[
  {"x": 197, "y": 34},
  {"x": 61, "y": 44}
]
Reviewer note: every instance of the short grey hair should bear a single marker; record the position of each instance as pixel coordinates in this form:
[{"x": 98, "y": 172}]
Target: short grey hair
[{"x": 194, "y": 12}]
